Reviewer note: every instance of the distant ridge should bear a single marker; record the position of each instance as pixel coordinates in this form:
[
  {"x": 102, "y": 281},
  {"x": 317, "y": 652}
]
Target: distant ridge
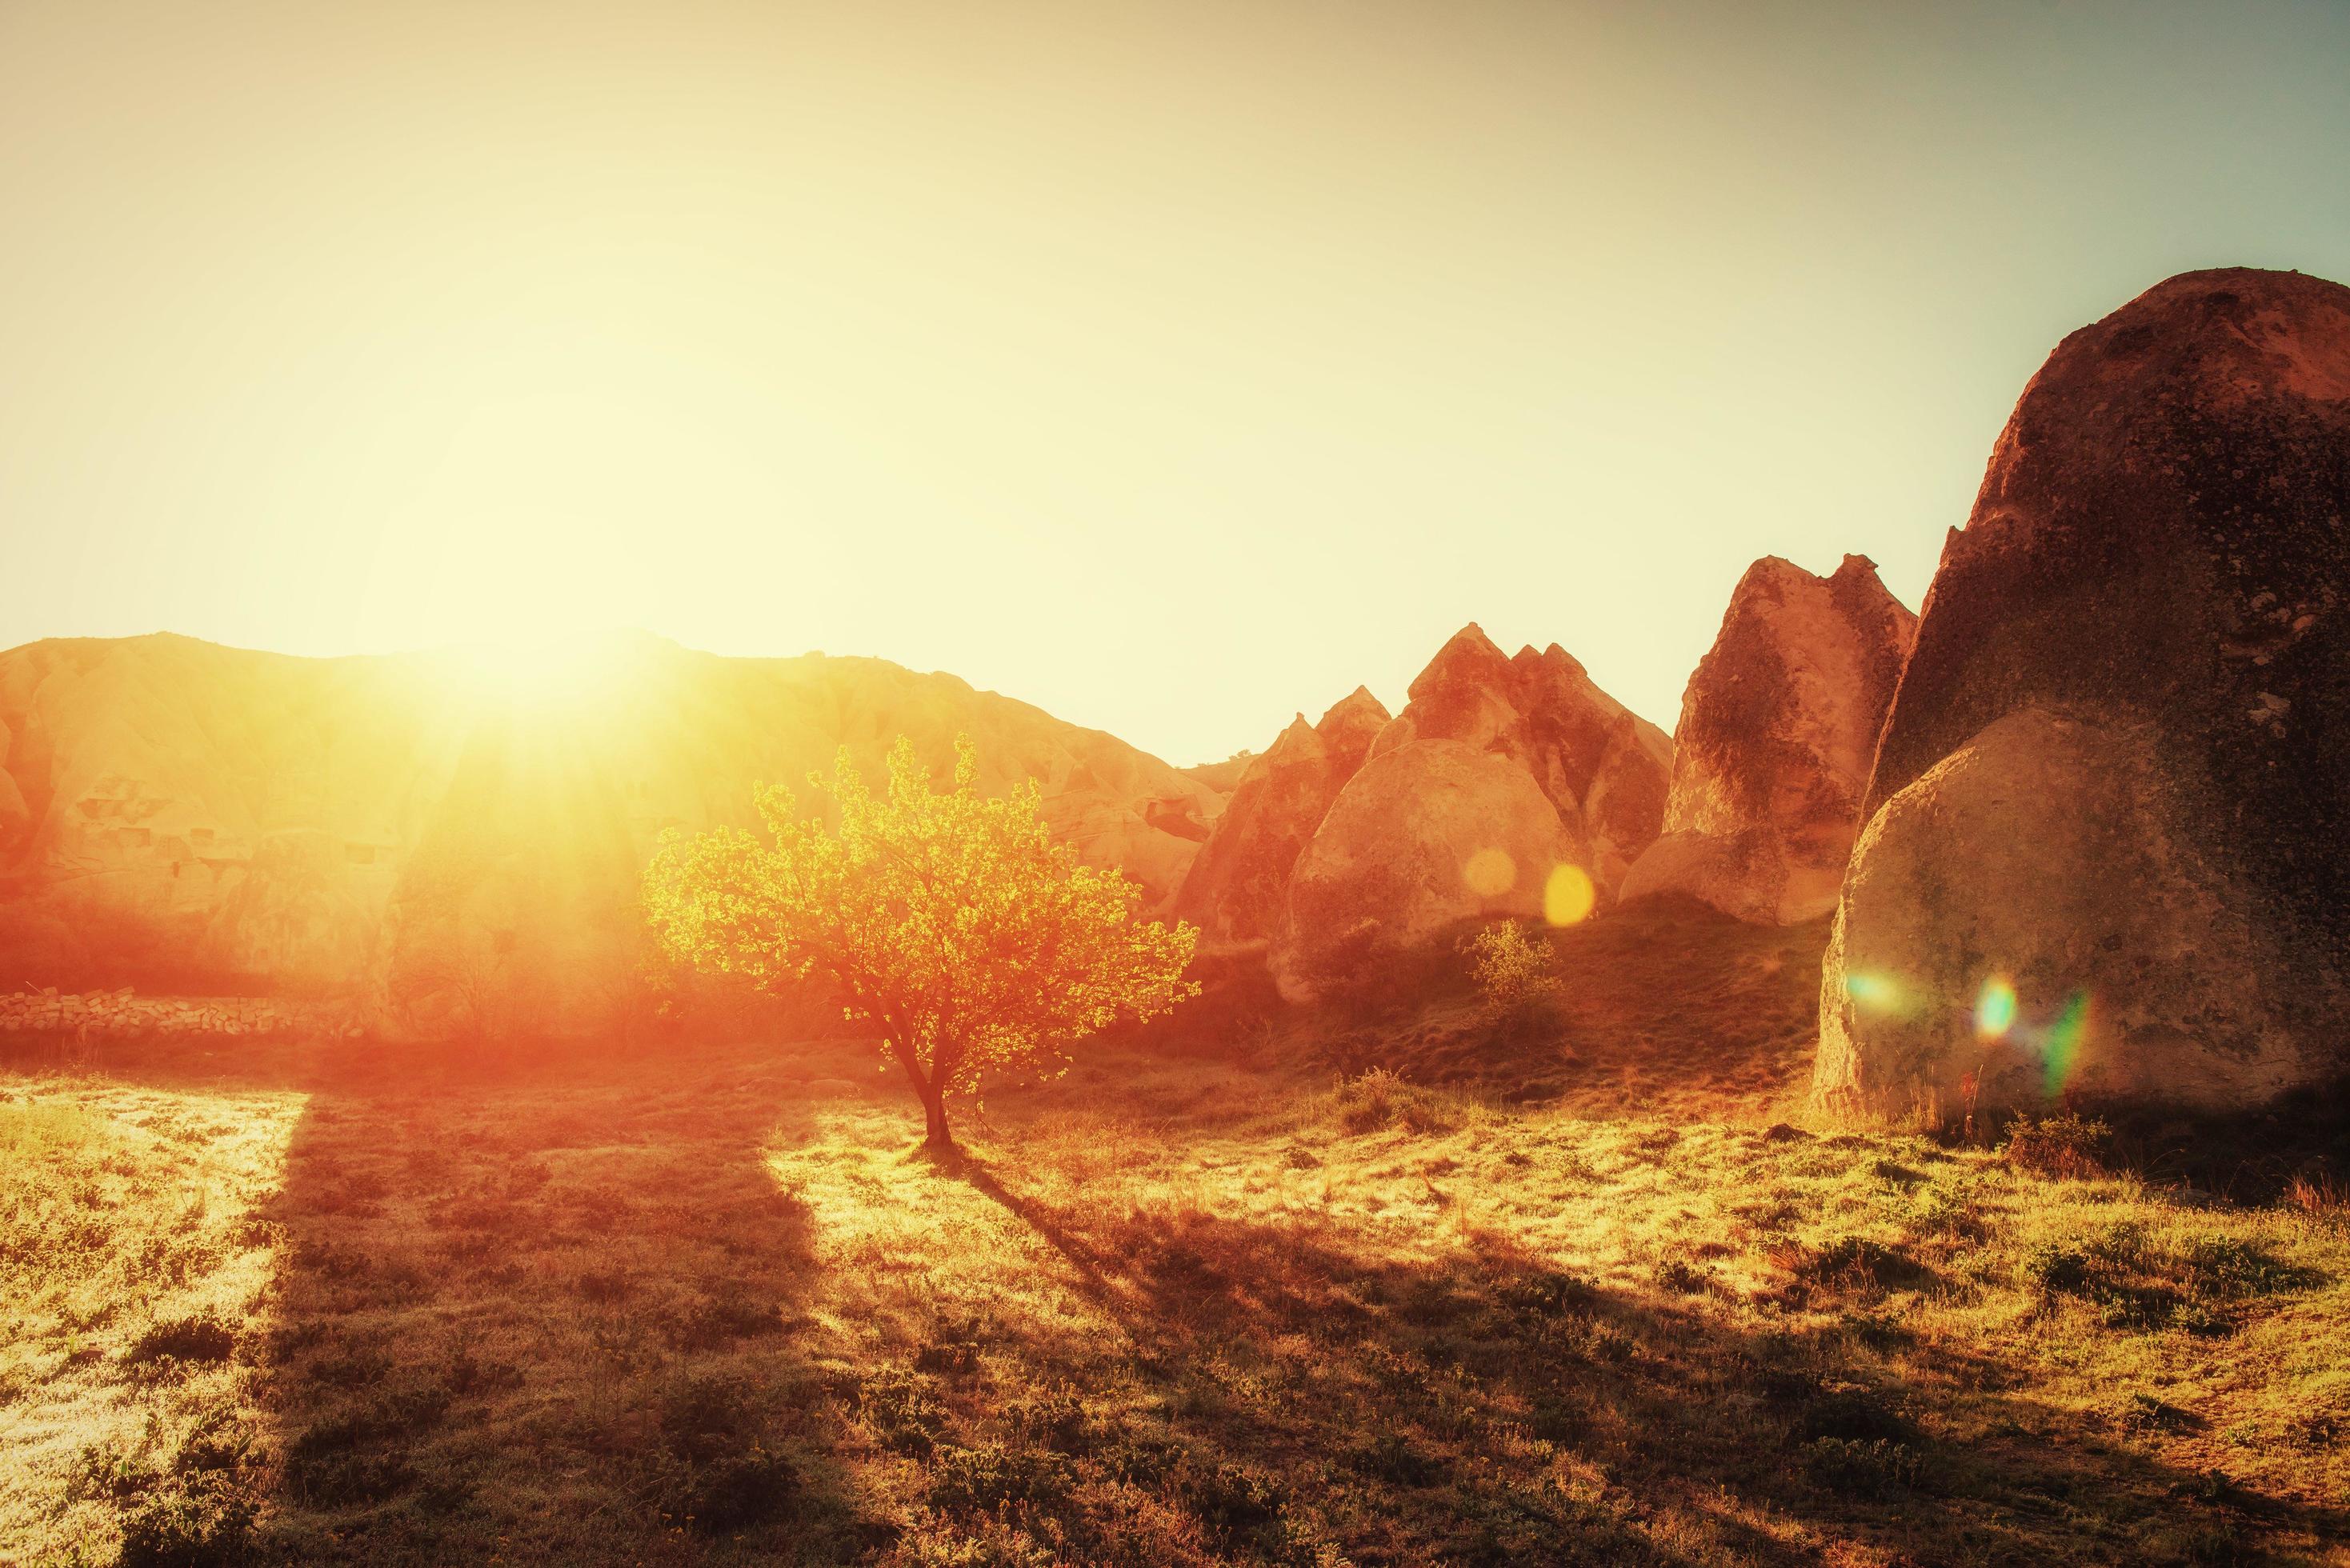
[{"x": 175, "y": 814}]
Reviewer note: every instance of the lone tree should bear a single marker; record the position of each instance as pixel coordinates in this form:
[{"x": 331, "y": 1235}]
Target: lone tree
[{"x": 952, "y": 921}]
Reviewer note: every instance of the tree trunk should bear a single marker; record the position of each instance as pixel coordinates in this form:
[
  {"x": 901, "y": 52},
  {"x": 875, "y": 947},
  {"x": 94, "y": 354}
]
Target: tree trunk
[{"x": 934, "y": 1109}]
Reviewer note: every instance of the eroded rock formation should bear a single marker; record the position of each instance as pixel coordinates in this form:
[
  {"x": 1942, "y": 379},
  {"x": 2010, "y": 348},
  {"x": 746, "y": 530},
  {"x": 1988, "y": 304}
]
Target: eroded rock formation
[
  {"x": 1237, "y": 890},
  {"x": 1426, "y": 835},
  {"x": 1498, "y": 771},
  {"x": 1778, "y": 728},
  {"x": 1604, "y": 769},
  {"x": 2109, "y": 838}
]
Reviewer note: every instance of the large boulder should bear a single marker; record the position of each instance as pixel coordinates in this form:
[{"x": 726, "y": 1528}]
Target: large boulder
[
  {"x": 1994, "y": 952},
  {"x": 1778, "y": 728},
  {"x": 1237, "y": 890},
  {"x": 1428, "y": 833},
  {"x": 1604, "y": 770},
  {"x": 2150, "y": 591}
]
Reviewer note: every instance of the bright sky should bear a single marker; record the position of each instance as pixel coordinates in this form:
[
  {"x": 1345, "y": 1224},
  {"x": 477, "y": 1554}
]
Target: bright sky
[{"x": 1173, "y": 366}]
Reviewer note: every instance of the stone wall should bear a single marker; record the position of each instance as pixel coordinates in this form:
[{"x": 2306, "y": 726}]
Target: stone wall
[{"x": 119, "y": 1013}]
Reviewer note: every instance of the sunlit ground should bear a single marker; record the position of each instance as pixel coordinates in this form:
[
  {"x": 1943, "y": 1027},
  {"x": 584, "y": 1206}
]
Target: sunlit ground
[
  {"x": 716, "y": 1308},
  {"x": 130, "y": 1260}
]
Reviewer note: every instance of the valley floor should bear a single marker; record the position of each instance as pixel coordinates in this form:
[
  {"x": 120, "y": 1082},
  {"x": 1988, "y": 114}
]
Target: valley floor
[{"x": 713, "y": 1307}]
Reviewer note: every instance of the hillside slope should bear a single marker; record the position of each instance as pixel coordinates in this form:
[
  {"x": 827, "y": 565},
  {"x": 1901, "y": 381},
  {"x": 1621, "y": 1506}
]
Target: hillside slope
[{"x": 175, "y": 814}]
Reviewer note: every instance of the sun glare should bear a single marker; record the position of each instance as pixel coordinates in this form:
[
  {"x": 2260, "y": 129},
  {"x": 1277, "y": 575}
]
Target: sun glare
[
  {"x": 1568, "y": 896},
  {"x": 536, "y": 671}
]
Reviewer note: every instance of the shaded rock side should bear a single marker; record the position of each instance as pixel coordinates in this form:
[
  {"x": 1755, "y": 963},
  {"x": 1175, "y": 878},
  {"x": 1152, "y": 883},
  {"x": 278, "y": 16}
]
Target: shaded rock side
[
  {"x": 1777, "y": 732},
  {"x": 1237, "y": 890},
  {"x": 1428, "y": 833},
  {"x": 2159, "y": 551}
]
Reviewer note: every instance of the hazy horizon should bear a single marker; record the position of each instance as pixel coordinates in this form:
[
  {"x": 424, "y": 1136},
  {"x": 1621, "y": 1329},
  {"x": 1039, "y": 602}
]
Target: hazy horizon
[{"x": 1171, "y": 368}]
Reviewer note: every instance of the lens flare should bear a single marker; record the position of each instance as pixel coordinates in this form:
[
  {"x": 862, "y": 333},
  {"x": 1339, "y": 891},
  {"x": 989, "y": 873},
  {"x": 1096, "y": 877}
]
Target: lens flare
[
  {"x": 1995, "y": 1010},
  {"x": 1568, "y": 896},
  {"x": 1875, "y": 992},
  {"x": 2063, "y": 1043},
  {"x": 1490, "y": 873}
]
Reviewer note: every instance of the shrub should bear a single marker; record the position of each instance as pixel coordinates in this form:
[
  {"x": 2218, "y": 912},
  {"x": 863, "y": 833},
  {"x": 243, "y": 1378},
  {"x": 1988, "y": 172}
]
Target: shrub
[
  {"x": 202, "y": 1336},
  {"x": 730, "y": 1492},
  {"x": 603, "y": 1286},
  {"x": 1941, "y": 1211},
  {"x": 716, "y": 1471},
  {"x": 2052, "y": 1266},
  {"x": 992, "y": 1477},
  {"x": 2064, "y": 1146},
  {"x": 1851, "y": 1414},
  {"x": 1227, "y": 1499},
  {"x": 1546, "y": 1294},
  {"x": 2140, "y": 1284},
  {"x": 1873, "y": 1467},
  {"x": 1380, "y": 1098},
  {"x": 902, "y": 1413},
  {"x": 1510, "y": 970},
  {"x": 1683, "y": 1278},
  {"x": 714, "y": 1323},
  {"x": 1056, "y": 1419},
  {"x": 1390, "y": 1459},
  {"x": 208, "y": 1525},
  {"x": 2223, "y": 1266},
  {"x": 1857, "y": 1260}
]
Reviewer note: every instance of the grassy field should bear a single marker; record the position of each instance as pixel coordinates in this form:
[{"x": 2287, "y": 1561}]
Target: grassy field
[{"x": 1592, "y": 1302}]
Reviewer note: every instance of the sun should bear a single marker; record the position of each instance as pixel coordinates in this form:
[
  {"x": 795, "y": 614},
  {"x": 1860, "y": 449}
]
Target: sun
[{"x": 536, "y": 669}]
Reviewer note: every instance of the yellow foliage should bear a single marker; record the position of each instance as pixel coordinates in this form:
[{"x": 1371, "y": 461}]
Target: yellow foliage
[
  {"x": 1512, "y": 970},
  {"x": 950, "y": 920}
]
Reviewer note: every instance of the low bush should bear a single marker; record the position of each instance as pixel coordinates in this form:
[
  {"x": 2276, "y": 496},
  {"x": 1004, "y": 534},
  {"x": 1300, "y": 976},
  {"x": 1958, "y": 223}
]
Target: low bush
[
  {"x": 993, "y": 1477},
  {"x": 1852, "y": 1413},
  {"x": 714, "y": 1321},
  {"x": 1510, "y": 970},
  {"x": 1380, "y": 1098},
  {"x": 717, "y": 1470},
  {"x": 1858, "y": 1261},
  {"x": 900, "y": 1410},
  {"x": 2064, "y": 1146},
  {"x": 1055, "y": 1418},
  {"x": 208, "y": 1524},
  {"x": 1870, "y": 1468},
  {"x": 1231, "y": 1500},
  {"x": 200, "y": 1337},
  {"x": 2138, "y": 1284}
]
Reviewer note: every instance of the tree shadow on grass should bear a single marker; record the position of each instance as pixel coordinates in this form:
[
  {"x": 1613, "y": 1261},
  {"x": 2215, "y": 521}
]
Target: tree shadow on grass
[
  {"x": 1305, "y": 1394},
  {"x": 538, "y": 1317}
]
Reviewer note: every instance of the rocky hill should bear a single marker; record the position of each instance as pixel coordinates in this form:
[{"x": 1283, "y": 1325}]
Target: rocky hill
[{"x": 180, "y": 815}]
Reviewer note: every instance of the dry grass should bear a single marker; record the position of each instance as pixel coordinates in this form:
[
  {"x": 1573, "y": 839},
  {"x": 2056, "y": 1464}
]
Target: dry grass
[{"x": 716, "y": 1308}]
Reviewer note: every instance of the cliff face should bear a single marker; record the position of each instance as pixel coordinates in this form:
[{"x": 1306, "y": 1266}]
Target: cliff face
[
  {"x": 2131, "y": 690},
  {"x": 180, "y": 815}
]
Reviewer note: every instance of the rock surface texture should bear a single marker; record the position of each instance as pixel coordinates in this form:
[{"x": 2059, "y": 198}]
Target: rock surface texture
[
  {"x": 1778, "y": 728},
  {"x": 2110, "y": 833},
  {"x": 180, "y": 815},
  {"x": 1498, "y": 771},
  {"x": 1237, "y": 890}
]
